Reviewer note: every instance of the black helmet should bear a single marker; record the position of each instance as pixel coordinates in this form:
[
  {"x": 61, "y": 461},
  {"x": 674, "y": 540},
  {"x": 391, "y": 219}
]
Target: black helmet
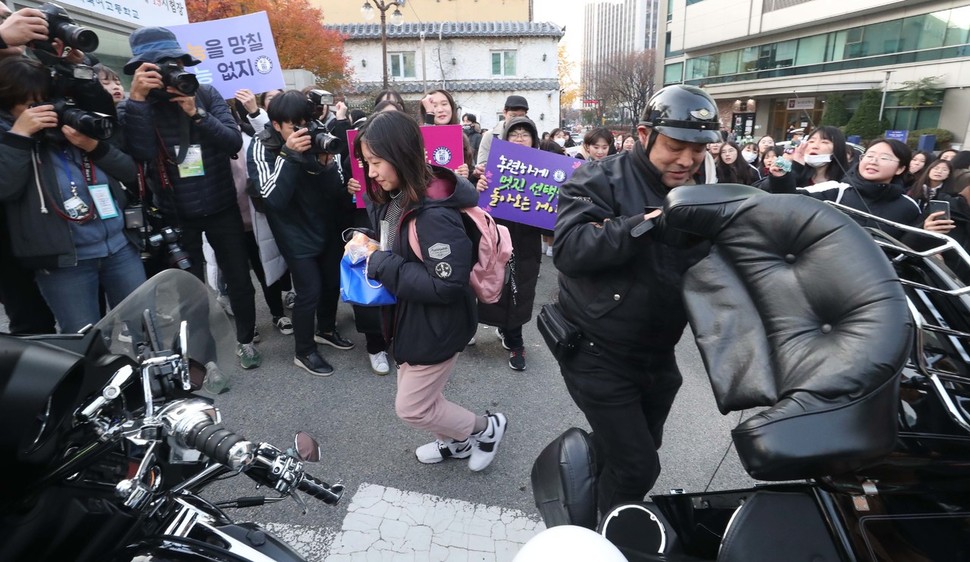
[{"x": 684, "y": 113}]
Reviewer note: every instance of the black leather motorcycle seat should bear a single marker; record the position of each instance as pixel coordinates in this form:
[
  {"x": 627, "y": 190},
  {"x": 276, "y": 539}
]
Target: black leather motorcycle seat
[{"x": 798, "y": 310}]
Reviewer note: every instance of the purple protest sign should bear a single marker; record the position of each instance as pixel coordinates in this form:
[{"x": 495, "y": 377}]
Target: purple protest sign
[
  {"x": 524, "y": 182},
  {"x": 443, "y": 146},
  {"x": 235, "y": 53}
]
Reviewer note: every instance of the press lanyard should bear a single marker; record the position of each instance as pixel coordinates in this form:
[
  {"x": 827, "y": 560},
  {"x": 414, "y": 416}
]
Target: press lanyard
[
  {"x": 84, "y": 211},
  {"x": 86, "y": 166}
]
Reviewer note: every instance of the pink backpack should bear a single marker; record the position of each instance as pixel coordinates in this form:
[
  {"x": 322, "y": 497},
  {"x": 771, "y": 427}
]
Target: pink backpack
[{"x": 490, "y": 271}]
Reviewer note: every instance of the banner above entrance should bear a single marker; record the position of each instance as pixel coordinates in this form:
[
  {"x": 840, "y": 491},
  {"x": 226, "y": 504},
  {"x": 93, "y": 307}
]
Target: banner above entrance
[
  {"x": 795, "y": 104},
  {"x": 139, "y": 12}
]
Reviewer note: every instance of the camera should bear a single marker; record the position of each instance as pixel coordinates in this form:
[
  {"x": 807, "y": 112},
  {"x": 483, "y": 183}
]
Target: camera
[
  {"x": 177, "y": 257},
  {"x": 173, "y": 75},
  {"x": 91, "y": 123},
  {"x": 319, "y": 98},
  {"x": 321, "y": 140},
  {"x": 61, "y": 26}
]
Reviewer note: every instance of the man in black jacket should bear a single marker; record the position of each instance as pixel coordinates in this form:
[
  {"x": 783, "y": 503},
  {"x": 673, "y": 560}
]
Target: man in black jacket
[
  {"x": 188, "y": 141},
  {"x": 303, "y": 192},
  {"x": 620, "y": 285}
]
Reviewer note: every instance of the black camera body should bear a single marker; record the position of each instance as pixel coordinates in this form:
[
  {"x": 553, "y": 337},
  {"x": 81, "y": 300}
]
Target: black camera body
[
  {"x": 60, "y": 25},
  {"x": 173, "y": 75},
  {"x": 169, "y": 237},
  {"x": 91, "y": 123},
  {"x": 322, "y": 141}
]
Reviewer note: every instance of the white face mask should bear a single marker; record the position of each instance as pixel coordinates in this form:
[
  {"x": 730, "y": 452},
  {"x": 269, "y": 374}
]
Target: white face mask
[
  {"x": 561, "y": 142},
  {"x": 749, "y": 157},
  {"x": 817, "y": 160}
]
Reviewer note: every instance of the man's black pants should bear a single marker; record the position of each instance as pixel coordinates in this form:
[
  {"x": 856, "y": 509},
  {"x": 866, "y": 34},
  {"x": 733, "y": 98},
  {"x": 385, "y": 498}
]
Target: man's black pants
[
  {"x": 224, "y": 231},
  {"x": 316, "y": 281},
  {"x": 626, "y": 400}
]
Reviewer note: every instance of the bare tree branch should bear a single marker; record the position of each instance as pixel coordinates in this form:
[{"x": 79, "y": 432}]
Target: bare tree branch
[{"x": 627, "y": 82}]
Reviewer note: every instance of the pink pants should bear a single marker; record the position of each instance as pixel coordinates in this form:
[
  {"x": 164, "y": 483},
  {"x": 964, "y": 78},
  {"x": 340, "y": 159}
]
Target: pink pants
[{"x": 421, "y": 404}]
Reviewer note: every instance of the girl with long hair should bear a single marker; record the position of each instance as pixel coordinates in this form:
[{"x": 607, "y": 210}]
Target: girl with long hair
[{"x": 435, "y": 314}]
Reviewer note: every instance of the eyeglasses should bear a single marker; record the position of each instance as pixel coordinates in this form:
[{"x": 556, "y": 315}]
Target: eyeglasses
[
  {"x": 520, "y": 135},
  {"x": 880, "y": 157}
]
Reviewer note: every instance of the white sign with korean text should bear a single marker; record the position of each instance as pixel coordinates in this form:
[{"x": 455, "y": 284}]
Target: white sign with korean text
[
  {"x": 144, "y": 13},
  {"x": 235, "y": 52}
]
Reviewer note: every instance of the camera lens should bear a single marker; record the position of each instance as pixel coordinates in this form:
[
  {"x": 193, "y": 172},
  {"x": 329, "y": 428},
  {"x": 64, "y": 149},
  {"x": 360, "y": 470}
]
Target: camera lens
[
  {"x": 78, "y": 37},
  {"x": 90, "y": 124}
]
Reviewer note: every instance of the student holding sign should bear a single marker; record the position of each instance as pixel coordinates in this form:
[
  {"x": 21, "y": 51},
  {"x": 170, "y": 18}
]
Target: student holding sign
[{"x": 514, "y": 311}]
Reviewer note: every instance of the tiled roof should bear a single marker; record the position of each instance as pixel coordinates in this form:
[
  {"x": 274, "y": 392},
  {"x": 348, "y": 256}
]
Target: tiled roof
[
  {"x": 412, "y": 87},
  {"x": 360, "y": 31}
]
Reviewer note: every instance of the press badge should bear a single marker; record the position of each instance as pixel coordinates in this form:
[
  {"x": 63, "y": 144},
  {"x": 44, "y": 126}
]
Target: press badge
[
  {"x": 103, "y": 201},
  {"x": 76, "y": 208},
  {"x": 192, "y": 165}
]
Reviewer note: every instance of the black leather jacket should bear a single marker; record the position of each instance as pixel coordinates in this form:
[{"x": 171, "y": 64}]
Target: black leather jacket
[{"x": 624, "y": 293}]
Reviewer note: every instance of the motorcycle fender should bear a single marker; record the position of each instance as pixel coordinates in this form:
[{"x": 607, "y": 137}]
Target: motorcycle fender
[{"x": 181, "y": 549}]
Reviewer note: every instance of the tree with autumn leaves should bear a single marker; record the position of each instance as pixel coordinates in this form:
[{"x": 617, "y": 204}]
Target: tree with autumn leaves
[{"x": 301, "y": 40}]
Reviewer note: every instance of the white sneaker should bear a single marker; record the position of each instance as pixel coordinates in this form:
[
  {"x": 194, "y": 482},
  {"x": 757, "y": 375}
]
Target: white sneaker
[
  {"x": 438, "y": 450},
  {"x": 485, "y": 443},
  {"x": 549, "y": 251},
  {"x": 471, "y": 341},
  {"x": 378, "y": 363}
]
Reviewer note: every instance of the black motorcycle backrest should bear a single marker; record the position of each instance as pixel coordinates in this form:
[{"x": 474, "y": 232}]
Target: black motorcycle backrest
[
  {"x": 39, "y": 388},
  {"x": 796, "y": 309}
]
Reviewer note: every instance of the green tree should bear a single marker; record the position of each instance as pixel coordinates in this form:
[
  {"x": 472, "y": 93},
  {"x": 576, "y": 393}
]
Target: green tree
[
  {"x": 836, "y": 113},
  {"x": 865, "y": 121},
  {"x": 916, "y": 93}
]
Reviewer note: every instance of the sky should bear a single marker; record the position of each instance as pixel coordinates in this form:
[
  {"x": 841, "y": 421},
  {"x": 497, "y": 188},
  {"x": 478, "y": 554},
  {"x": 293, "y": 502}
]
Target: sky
[{"x": 568, "y": 14}]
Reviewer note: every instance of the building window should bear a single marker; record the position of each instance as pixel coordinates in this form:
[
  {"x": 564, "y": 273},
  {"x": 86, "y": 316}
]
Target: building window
[
  {"x": 929, "y": 37},
  {"x": 674, "y": 73},
  {"x": 503, "y": 63},
  {"x": 401, "y": 65}
]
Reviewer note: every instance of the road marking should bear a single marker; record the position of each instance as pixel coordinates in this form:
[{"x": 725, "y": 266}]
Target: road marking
[{"x": 388, "y": 524}]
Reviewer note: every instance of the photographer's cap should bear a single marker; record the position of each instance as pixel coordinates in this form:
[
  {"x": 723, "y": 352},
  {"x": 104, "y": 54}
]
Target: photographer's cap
[{"x": 152, "y": 44}]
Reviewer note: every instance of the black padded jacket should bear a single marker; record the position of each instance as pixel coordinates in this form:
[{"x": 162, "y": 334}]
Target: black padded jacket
[
  {"x": 216, "y": 133},
  {"x": 435, "y": 314}
]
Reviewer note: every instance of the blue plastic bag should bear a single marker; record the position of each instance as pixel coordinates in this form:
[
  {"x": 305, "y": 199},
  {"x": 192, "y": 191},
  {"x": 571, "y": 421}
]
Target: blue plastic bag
[{"x": 356, "y": 288}]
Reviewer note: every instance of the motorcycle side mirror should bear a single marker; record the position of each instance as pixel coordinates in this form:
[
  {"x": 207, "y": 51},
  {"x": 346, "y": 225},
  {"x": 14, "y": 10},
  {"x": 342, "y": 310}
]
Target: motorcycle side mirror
[
  {"x": 307, "y": 448},
  {"x": 197, "y": 374}
]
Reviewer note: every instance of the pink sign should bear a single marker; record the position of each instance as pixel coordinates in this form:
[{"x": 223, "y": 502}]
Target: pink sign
[{"x": 442, "y": 146}]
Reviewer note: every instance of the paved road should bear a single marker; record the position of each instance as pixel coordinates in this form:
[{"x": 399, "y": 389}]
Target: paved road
[{"x": 398, "y": 509}]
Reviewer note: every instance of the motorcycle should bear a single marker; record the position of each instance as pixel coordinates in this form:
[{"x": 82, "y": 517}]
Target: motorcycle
[
  {"x": 108, "y": 445},
  {"x": 858, "y": 367}
]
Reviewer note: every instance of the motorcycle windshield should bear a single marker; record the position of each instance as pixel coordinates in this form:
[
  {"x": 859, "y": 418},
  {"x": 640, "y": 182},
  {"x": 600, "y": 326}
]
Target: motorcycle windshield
[{"x": 167, "y": 299}]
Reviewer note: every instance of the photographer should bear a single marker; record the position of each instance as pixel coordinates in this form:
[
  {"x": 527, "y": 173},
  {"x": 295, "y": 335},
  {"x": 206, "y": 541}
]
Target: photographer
[
  {"x": 301, "y": 186},
  {"x": 63, "y": 198},
  {"x": 186, "y": 133},
  {"x": 20, "y": 28}
]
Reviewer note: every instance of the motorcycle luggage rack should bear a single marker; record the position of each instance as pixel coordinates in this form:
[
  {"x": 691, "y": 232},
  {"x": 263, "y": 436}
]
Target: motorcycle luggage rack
[{"x": 956, "y": 291}]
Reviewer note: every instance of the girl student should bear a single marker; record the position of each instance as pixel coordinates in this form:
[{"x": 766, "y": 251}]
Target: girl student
[{"x": 435, "y": 313}]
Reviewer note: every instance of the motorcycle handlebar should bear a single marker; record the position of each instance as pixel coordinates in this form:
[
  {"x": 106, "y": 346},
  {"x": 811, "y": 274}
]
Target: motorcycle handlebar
[
  {"x": 319, "y": 489},
  {"x": 235, "y": 452},
  {"x": 215, "y": 442}
]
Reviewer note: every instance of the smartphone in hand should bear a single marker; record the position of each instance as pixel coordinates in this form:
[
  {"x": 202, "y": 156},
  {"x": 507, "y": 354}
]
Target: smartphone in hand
[{"x": 937, "y": 205}]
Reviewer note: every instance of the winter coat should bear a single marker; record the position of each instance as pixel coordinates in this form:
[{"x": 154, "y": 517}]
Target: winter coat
[
  {"x": 512, "y": 311},
  {"x": 39, "y": 236},
  {"x": 302, "y": 197},
  {"x": 217, "y": 134},
  {"x": 435, "y": 312},
  {"x": 623, "y": 293},
  {"x": 884, "y": 200}
]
